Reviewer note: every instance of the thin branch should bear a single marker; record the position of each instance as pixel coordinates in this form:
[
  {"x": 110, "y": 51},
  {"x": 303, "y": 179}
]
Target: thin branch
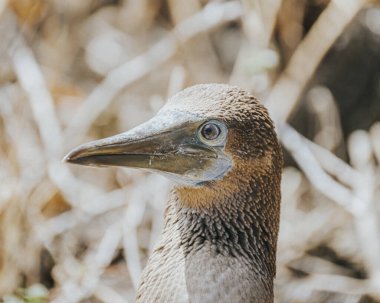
[
  {"x": 213, "y": 15},
  {"x": 301, "y": 153},
  {"x": 79, "y": 286},
  {"x": 333, "y": 165},
  {"x": 32, "y": 81},
  {"x": 286, "y": 92},
  {"x": 108, "y": 295},
  {"x": 337, "y": 283}
]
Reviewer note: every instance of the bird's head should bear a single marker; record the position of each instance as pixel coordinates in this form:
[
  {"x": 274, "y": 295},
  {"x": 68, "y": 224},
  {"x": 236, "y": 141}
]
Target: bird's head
[{"x": 204, "y": 135}]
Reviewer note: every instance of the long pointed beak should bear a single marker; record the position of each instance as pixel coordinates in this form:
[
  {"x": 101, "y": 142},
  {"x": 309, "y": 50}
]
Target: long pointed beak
[{"x": 169, "y": 147}]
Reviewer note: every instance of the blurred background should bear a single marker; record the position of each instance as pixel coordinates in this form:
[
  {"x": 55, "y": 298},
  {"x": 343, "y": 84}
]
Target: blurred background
[{"x": 72, "y": 71}]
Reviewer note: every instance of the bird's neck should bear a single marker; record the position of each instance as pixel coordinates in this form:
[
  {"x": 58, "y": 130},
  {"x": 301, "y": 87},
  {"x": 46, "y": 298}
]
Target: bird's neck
[{"x": 230, "y": 233}]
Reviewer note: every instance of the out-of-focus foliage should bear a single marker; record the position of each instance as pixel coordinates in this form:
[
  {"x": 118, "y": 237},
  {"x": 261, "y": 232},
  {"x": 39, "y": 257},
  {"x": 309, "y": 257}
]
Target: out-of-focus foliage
[
  {"x": 72, "y": 71},
  {"x": 36, "y": 293}
]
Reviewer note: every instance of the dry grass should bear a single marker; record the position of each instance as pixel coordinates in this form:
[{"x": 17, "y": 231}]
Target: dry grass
[{"x": 72, "y": 71}]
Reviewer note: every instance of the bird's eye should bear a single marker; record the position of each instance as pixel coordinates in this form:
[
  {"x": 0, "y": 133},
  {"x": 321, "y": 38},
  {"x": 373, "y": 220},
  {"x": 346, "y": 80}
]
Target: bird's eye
[
  {"x": 213, "y": 133},
  {"x": 210, "y": 131}
]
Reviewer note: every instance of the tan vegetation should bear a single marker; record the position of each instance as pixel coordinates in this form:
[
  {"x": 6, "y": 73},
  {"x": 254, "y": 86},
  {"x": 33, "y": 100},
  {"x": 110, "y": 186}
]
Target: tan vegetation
[{"x": 72, "y": 71}]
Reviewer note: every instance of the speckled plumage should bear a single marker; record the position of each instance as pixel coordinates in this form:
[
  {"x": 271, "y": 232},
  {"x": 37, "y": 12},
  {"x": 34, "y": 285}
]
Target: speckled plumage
[{"x": 219, "y": 239}]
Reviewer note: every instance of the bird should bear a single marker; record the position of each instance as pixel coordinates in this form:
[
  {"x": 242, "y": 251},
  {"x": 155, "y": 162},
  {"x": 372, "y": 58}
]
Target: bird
[{"x": 219, "y": 146}]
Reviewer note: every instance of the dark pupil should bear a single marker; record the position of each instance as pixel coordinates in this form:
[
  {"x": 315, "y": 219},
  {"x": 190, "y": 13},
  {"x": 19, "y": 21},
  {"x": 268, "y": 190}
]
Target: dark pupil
[{"x": 210, "y": 131}]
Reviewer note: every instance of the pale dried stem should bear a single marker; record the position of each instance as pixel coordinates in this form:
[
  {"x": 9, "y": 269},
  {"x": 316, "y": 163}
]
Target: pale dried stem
[
  {"x": 79, "y": 286},
  {"x": 334, "y": 165},
  {"x": 358, "y": 201},
  {"x": 259, "y": 19},
  {"x": 108, "y": 295},
  {"x": 301, "y": 153},
  {"x": 284, "y": 95},
  {"x": 131, "y": 219},
  {"x": 211, "y": 16},
  {"x": 336, "y": 283}
]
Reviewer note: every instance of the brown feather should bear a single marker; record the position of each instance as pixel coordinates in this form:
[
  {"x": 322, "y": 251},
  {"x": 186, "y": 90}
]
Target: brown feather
[{"x": 219, "y": 239}]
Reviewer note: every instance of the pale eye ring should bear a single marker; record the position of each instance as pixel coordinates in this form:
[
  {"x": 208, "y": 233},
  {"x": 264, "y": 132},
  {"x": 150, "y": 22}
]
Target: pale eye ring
[
  {"x": 210, "y": 131},
  {"x": 213, "y": 133}
]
